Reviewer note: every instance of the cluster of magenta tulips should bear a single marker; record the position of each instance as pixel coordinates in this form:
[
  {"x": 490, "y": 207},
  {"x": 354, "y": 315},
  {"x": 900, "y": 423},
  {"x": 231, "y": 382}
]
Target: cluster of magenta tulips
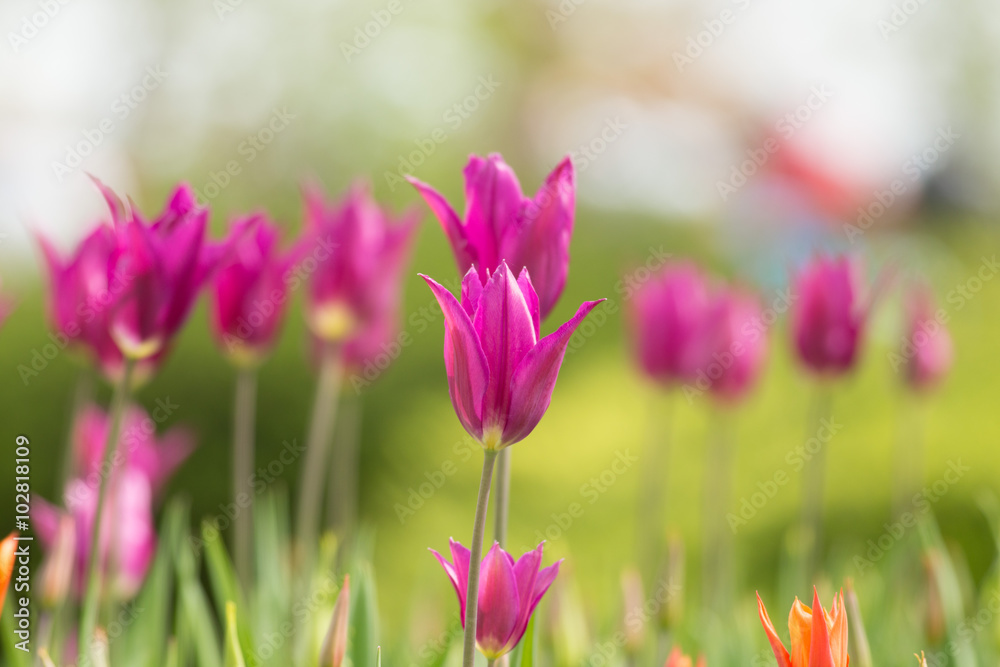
[{"x": 121, "y": 297}]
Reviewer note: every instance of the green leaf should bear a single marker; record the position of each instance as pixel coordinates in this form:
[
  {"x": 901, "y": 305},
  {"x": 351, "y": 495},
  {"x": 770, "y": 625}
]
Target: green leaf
[
  {"x": 234, "y": 654},
  {"x": 364, "y": 617},
  {"x": 194, "y": 610},
  {"x": 225, "y": 584}
]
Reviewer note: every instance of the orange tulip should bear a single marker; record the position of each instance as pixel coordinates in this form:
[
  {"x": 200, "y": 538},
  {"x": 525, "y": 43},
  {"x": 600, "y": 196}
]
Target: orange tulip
[
  {"x": 678, "y": 659},
  {"x": 7, "y": 549},
  {"x": 817, "y": 640}
]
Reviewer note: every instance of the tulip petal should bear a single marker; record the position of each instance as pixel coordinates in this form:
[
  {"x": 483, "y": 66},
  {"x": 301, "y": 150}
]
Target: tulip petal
[
  {"x": 779, "y": 649},
  {"x": 499, "y": 604},
  {"x": 820, "y": 653},
  {"x": 531, "y": 298},
  {"x": 800, "y": 620},
  {"x": 535, "y": 378},
  {"x": 526, "y": 573},
  {"x": 464, "y": 359},
  {"x": 838, "y": 631},
  {"x": 465, "y": 253},
  {"x": 492, "y": 202},
  {"x": 506, "y": 333},
  {"x": 472, "y": 291},
  {"x": 544, "y": 235}
]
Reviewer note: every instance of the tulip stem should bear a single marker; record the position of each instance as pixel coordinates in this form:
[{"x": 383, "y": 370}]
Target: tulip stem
[
  {"x": 92, "y": 596},
  {"x": 715, "y": 570},
  {"x": 244, "y": 417},
  {"x": 650, "y": 518},
  {"x": 812, "y": 488},
  {"x": 317, "y": 445},
  {"x": 503, "y": 497},
  {"x": 475, "y": 559}
]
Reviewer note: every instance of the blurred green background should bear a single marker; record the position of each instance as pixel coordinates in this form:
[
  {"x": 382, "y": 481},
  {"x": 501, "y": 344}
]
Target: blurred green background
[{"x": 560, "y": 83}]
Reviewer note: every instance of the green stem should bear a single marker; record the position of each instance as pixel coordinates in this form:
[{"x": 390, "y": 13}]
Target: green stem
[
  {"x": 812, "y": 488},
  {"x": 717, "y": 484},
  {"x": 244, "y": 418},
  {"x": 92, "y": 597},
  {"x": 475, "y": 559},
  {"x": 650, "y": 518},
  {"x": 317, "y": 446},
  {"x": 502, "y": 509},
  {"x": 342, "y": 494}
]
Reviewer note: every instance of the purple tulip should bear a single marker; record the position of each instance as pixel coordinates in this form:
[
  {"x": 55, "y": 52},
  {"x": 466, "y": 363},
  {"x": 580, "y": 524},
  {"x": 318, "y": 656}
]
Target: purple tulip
[
  {"x": 829, "y": 315},
  {"x": 508, "y": 593},
  {"x": 502, "y": 224},
  {"x": 738, "y": 344},
  {"x": 355, "y": 254},
  {"x": 250, "y": 291},
  {"x": 128, "y": 538},
  {"x": 928, "y": 348},
  {"x": 82, "y": 294},
  {"x": 668, "y": 320},
  {"x": 139, "y": 449},
  {"x": 500, "y": 375},
  {"x": 162, "y": 266}
]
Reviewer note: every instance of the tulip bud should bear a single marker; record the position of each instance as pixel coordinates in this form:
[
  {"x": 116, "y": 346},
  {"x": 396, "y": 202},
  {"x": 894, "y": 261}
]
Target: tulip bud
[
  {"x": 672, "y": 611},
  {"x": 634, "y": 619},
  {"x": 927, "y": 349},
  {"x": 335, "y": 643},
  {"x": 57, "y": 573},
  {"x": 99, "y": 649},
  {"x": 934, "y": 620}
]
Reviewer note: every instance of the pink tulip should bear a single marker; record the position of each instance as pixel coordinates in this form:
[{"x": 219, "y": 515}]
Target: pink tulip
[
  {"x": 139, "y": 449},
  {"x": 82, "y": 293},
  {"x": 502, "y": 224},
  {"x": 929, "y": 351},
  {"x": 128, "y": 539},
  {"x": 359, "y": 254},
  {"x": 829, "y": 315},
  {"x": 509, "y": 591},
  {"x": 162, "y": 265},
  {"x": 250, "y": 291},
  {"x": 738, "y": 344},
  {"x": 500, "y": 375},
  {"x": 668, "y": 319}
]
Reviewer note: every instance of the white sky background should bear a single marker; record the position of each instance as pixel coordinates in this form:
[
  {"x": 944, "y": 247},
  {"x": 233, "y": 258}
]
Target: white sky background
[{"x": 608, "y": 59}]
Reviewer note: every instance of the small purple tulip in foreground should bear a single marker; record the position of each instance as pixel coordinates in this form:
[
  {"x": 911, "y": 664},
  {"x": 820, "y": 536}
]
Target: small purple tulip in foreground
[
  {"x": 500, "y": 374},
  {"x": 509, "y": 591}
]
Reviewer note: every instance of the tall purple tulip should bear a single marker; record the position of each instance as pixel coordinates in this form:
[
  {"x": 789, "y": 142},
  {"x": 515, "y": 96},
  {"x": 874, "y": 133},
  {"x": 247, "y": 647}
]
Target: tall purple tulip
[
  {"x": 738, "y": 344},
  {"x": 667, "y": 320},
  {"x": 829, "y": 316},
  {"x": 360, "y": 252},
  {"x": 500, "y": 373},
  {"x": 509, "y": 591},
  {"x": 501, "y": 224},
  {"x": 250, "y": 291},
  {"x": 163, "y": 265},
  {"x": 927, "y": 349},
  {"x": 128, "y": 538}
]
